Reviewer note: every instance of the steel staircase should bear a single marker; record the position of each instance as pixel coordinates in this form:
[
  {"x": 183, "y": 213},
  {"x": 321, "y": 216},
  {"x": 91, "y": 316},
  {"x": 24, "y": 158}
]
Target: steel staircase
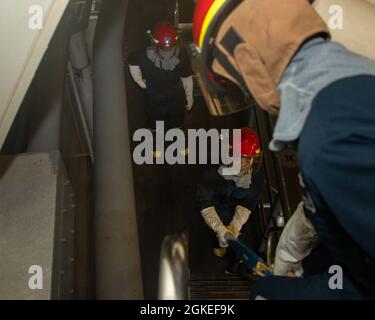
[{"x": 220, "y": 286}]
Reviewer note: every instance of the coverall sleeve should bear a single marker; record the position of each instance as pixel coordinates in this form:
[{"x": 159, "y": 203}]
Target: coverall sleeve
[
  {"x": 347, "y": 190},
  {"x": 136, "y": 70},
  {"x": 337, "y": 159}
]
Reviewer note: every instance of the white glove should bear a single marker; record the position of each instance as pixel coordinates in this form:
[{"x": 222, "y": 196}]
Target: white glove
[
  {"x": 136, "y": 73},
  {"x": 188, "y": 86},
  {"x": 296, "y": 243},
  {"x": 241, "y": 216},
  {"x": 213, "y": 220},
  {"x": 190, "y": 102}
]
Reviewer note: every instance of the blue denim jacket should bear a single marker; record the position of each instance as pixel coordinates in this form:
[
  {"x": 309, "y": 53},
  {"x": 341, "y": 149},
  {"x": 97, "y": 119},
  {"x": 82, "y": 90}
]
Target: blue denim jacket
[{"x": 318, "y": 64}]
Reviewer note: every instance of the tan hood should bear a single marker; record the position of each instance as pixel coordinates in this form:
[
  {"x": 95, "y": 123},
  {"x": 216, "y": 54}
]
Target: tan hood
[{"x": 259, "y": 39}]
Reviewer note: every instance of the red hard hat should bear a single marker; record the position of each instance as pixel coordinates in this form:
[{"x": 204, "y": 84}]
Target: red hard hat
[
  {"x": 164, "y": 34},
  {"x": 208, "y": 15},
  {"x": 200, "y": 13},
  {"x": 250, "y": 144}
]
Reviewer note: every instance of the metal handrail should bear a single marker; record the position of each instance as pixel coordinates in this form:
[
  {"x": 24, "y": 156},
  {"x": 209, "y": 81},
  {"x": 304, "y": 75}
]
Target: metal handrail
[
  {"x": 265, "y": 127},
  {"x": 271, "y": 244},
  {"x": 79, "y": 111},
  {"x": 276, "y": 188},
  {"x": 279, "y": 174},
  {"x": 174, "y": 270}
]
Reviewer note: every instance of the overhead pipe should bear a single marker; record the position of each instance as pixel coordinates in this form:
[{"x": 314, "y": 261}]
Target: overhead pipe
[
  {"x": 118, "y": 267},
  {"x": 81, "y": 64}
]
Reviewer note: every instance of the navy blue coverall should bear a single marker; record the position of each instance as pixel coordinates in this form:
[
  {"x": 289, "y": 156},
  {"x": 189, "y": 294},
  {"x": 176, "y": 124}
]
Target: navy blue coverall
[
  {"x": 336, "y": 151},
  {"x": 165, "y": 94},
  {"x": 215, "y": 191}
]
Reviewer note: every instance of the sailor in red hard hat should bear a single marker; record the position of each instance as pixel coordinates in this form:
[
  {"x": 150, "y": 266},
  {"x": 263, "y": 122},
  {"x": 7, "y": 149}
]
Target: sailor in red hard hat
[
  {"x": 164, "y": 71},
  {"x": 281, "y": 55},
  {"x": 226, "y": 202}
]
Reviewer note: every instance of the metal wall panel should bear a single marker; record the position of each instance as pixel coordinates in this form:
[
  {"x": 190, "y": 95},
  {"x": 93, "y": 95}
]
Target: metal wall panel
[{"x": 36, "y": 226}]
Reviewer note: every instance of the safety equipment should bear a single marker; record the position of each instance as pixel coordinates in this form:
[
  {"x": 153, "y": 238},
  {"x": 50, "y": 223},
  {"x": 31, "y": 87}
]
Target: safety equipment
[
  {"x": 220, "y": 252},
  {"x": 164, "y": 35},
  {"x": 248, "y": 147},
  {"x": 213, "y": 220},
  {"x": 164, "y": 59},
  {"x": 136, "y": 74},
  {"x": 241, "y": 216},
  {"x": 251, "y": 42},
  {"x": 249, "y": 257},
  {"x": 156, "y": 154},
  {"x": 296, "y": 243},
  {"x": 188, "y": 86},
  {"x": 208, "y": 15},
  {"x": 185, "y": 152},
  {"x": 250, "y": 144},
  {"x": 231, "y": 228},
  {"x": 242, "y": 180}
]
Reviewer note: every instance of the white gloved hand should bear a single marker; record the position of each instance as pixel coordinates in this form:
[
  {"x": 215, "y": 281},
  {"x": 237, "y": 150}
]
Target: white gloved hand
[
  {"x": 136, "y": 74},
  {"x": 213, "y": 220},
  {"x": 190, "y": 102},
  {"x": 287, "y": 268},
  {"x": 241, "y": 216},
  {"x": 296, "y": 243},
  {"x": 221, "y": 237},
  {"x": 188, "y": 85}
]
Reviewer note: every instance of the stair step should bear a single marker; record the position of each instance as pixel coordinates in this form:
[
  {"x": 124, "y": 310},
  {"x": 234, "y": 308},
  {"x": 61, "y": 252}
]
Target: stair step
[
  {"x": 220, "y": 296},
  {"x": 223, "y": 276},
  {"x": 217, "y": 289},
  {"x": 220, "y": 286},
  {"x": 237, "y": 283}
]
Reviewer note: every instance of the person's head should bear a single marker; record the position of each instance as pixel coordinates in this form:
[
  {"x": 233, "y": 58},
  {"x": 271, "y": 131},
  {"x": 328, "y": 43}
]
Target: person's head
[
  {"x": 165, "y": 37},
  {"x": 246, "y": 163},
  {"x": 251, "y": 42},
  {"x": 250, "y": 150}
]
